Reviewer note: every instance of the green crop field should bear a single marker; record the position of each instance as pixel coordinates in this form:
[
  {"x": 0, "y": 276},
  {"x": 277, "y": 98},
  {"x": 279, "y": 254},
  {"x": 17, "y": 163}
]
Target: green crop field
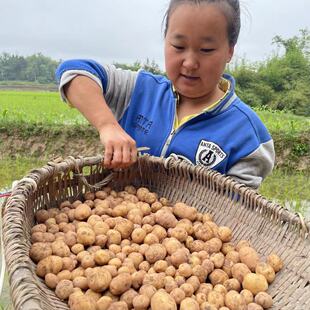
[{"x": 47, "y": 108}]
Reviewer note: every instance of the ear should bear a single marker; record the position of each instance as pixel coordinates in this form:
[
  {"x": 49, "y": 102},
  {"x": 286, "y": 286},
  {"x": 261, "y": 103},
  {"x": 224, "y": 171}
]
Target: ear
[{"x": 230, "y": 53}]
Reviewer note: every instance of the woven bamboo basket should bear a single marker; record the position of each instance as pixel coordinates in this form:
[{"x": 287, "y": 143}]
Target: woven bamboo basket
[{"x": 268, "y": 226}]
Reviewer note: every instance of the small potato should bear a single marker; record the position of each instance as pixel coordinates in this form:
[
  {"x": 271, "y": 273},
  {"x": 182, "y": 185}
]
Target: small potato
[
  {"x": 178, "y": 257},
  {"x": 147, "y": 290},
  {"x": 163, "y": 301},
  {"x": 128, "y": 297},
  {"x": 233, "y": 256},
  {"x": 51, "y": 280},
  {"x": 239, "y": 271},
  {"x": 241, "y": 244},
  {"x": 102, "y": 257},
  {"x": 227, "y": 247},
  {"x": 183, "y": 211},
  {"x": 220, "y": 288},
  {"x": 188, "y": 289},
  {"x": 77, "y": 248},
  {"x": 114, "y": 237},
  {"x": 218, "y": 276},
  {"x": 120, "y": 283},
  {"x": 255, "y": 283},
  {"x": 40, "y": 250},
  {"x": 155, "y": 252},
  {"x": 64, "y": 289},
  {"x": 213, "y": 245},
  {"x": 189, "y": 304},
  {"x": 86, "y": 236},
  {"x": 60, "y": 248},
  {"x": 275, "y": 262},
  {"x": 82, "y": 212},
  {"x": 138, "y": 235},
  {"x": 264, "y": 300},
  {"x": 178, "y": 295},
  {"x": 248, "y": 296},
  {"x": 104, "y": 303},
  {"x": 217, "y": 259},
  {"x": 99, "y": 280},
  {"x": 41, "y": 216},
  {"x": 81, "y": 282},
  {"x": 208, "y": 306},
  {"x": 232, "y": 284},
  {"x": 39, "y": 228},
  {"x": 254, "y": 306},
  {"x": 50, "y": 264},
  {"x": 141, "y": 302},
  {"x": 249, "y": 257},
  {"x": 266, "y": 270},
  {"x": 64, "y": 275},
  {"x": 194, "y": 282},
  {"x": 165, "y": 219},
  {"x": 216, "y": 299},
  {"x": 234, "y": 301}
]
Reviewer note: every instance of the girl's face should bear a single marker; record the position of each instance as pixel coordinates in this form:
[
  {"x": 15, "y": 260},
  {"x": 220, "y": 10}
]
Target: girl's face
[{"x": 196, "y": 49}]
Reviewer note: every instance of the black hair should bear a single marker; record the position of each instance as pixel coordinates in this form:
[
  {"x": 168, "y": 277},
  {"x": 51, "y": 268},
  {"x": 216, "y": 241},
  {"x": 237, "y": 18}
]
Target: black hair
[{"x": 230, "y": 8}]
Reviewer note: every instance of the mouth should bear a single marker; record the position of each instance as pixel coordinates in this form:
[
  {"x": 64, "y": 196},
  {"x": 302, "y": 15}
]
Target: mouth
[{"x": 189, "y": 77}]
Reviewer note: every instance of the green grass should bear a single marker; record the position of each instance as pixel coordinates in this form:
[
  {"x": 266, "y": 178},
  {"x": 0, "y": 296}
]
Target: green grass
[
  {"x": 15, "y": 169},
  {"x": 36, "y": 108},
  {"x": 288, "y": 188},
  {"x": 281, "y": 121},
  {"x": 47, "y": 108}
]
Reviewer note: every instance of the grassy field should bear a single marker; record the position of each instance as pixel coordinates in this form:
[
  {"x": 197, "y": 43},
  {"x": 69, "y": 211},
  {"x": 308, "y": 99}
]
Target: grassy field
[{"x": 47, "y": 108}]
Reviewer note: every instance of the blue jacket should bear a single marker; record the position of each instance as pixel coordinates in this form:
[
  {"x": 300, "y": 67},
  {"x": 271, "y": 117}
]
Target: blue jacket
[{"x": 230, "y": 138}]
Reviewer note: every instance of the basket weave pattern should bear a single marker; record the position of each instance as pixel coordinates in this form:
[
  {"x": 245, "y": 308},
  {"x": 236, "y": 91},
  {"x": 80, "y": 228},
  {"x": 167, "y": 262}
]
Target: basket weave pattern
[{"x": 267, "y": 226}]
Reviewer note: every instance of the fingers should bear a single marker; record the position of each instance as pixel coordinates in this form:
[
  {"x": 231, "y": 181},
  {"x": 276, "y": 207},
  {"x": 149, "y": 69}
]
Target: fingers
[{"x": 120, "y": 155}]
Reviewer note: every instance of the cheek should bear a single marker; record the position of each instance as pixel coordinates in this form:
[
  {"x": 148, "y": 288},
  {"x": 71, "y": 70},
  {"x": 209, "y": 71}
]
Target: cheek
[{"x": 171, "y": 62}]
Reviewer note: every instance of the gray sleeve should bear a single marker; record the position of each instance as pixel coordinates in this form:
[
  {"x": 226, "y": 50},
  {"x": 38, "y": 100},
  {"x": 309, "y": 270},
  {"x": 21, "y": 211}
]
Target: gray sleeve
[
  {"x": 252, "y": 169},
  {"x": 120, "y": 85}
]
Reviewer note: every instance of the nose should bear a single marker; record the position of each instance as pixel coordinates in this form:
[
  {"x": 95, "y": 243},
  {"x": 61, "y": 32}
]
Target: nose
[{"x": 190, "y": 61}]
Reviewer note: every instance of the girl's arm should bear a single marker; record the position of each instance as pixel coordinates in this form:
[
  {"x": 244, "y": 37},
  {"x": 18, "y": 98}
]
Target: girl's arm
[
  {"x": 101, "y": 94},
  {"x": 85, "y": 95}
]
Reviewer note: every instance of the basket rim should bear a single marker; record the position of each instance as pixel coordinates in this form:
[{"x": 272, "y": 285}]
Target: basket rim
[{"x": 277, "y": 213}]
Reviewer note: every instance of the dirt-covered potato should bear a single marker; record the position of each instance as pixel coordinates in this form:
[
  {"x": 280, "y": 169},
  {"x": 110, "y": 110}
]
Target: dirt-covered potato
[
  {"x": 51, "y": 280},
  {"x": 99, "y": 280},
  {"x": 255, "y": 283},
  {"x": 40, "y": 250},
  {"x": 155, "y": 252},
  {"x": 235, "y": 301},
  {"x": 82, "y": 212},
  {"x": 263, "y": 299},
  {"x": 141, "y": 302},
  {"x": 218, "y": 276},
  {"x": 64, "y": 289},
  {"x": 50, "y": 264},
  {"x": 189, "y": 304},
  {"x": 215, "y": 298},
  {"x": 248, "y": 296},
  {"x": 86, "y": 236},
  {"x": 249, "y": 257},
  {"x": 120, "y": 283},
  {"x": 275, "y": 262},
  {"x": 239, "y": 271},
  {"x": 165, "y": 218},
  {"x": 266, "y": 270},
  {"x": 104, "y": 303},
  {"x": 161, "y": 300},
  {"x": 183, "y": 211}
]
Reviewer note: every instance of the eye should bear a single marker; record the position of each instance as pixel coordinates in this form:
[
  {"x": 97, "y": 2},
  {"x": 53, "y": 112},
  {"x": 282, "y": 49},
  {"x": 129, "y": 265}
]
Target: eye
[
  {"x": 178, "y": 47},
  {"x": 207, "y": 50}
]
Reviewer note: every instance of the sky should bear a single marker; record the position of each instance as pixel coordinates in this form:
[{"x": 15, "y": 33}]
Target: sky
[{"x": 129, "y": 30}]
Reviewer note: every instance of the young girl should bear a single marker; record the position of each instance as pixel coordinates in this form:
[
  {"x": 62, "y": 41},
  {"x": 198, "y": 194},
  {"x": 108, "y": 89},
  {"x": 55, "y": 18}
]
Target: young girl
[{"x": 194, "y": 114}]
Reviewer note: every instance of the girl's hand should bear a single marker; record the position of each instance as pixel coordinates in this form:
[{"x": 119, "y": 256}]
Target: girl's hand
[{"x": 120, "y": 149}]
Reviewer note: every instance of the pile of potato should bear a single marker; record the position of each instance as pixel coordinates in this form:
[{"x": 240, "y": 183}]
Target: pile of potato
[{"x": 132, "y": 250}]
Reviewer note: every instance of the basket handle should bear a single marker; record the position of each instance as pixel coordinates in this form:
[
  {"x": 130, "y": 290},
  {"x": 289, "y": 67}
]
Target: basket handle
[{"x": 107, "y": 179}]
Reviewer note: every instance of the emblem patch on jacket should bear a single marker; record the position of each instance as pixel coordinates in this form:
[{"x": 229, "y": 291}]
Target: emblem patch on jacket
[{"x": 209, "y": 154}]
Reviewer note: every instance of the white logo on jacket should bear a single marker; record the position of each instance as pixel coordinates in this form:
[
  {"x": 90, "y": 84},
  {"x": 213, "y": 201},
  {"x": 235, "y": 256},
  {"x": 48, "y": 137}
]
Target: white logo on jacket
[{"x": 209, "y": 154}]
